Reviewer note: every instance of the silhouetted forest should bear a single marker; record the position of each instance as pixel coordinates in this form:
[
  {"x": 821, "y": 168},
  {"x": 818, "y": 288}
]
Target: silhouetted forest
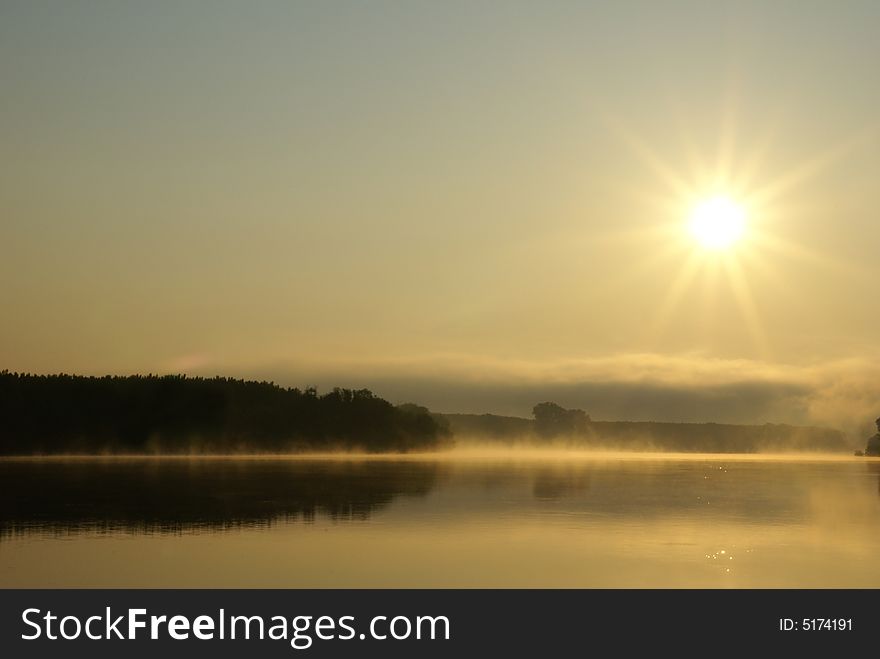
[
  {"x": 178, "y": 414},
  {"x": 48, "y": 414},
  {"x": 553, "y": 424}
]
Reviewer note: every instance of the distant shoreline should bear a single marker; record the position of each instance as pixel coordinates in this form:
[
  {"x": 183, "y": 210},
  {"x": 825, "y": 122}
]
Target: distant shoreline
[
  {"x": 458, "y": 455},
  {"x": 176, "y": 415},
  {"x": 573, "y": 427}
]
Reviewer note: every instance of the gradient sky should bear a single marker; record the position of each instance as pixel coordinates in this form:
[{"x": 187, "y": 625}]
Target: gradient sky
[{"x": 431, "y": 198}]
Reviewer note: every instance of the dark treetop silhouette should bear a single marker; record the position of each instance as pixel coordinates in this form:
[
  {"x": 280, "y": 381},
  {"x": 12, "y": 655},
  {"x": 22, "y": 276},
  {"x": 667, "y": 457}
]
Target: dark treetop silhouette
[
  {"x": 873, "y": 446},
  {"x": 60, "y": 414},
  {"x": 175, "y": 414}
]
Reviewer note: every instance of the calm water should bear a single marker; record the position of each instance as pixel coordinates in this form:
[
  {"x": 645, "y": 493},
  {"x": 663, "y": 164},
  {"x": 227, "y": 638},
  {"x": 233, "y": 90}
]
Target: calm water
[{"x": 472, "y": 520}]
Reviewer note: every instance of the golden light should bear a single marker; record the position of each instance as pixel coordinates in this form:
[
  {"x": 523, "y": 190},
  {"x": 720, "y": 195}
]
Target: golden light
[
  {"x": 717, "y": 222},
  {"x": 740, "y": 209}
]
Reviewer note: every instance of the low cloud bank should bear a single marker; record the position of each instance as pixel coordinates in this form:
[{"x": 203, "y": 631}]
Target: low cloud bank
[{"x": 842, "y": 394}]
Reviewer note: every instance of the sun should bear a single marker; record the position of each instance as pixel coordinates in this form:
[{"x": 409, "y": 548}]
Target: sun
[{"x": 717, "y": 222}]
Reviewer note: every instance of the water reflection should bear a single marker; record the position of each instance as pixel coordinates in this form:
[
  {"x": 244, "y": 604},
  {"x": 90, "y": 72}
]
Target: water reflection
[
  {"x": 449, "y": 521},
  {"x": 874, "y": 468},
  {"x": 555, "y": 484},
  {"x": 174, "y": 495},
  {"x": 169, "y": 495}
]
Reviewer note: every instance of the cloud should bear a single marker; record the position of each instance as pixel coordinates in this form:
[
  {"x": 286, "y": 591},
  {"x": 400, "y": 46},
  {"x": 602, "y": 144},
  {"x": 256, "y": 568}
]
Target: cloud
[{"x": 843, "y": 394}]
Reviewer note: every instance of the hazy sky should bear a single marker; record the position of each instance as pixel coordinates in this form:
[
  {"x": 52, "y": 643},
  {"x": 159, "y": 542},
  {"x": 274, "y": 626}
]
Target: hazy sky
[{"x": 412, "y": 195}]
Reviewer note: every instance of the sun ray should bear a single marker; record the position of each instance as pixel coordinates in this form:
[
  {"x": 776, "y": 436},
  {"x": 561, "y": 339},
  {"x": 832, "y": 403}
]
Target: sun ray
[
  {"x": 812, "y": 167},
  {"x": 648, "y": 157},
  {"x": 799, "y": 252},
  {"x": 742, "y": 292},
  {"x": 665, "y": 255},
  {"x": 727, "y": 133},
  {"x": 683, "y": 280},
  {"x": 696, "y": 161},
  {"x": 731, "y": 218},
  {"x": 769, "y": 275},
  {"x": 709, "y": 296},
  {"x": 745, "y": 174}
]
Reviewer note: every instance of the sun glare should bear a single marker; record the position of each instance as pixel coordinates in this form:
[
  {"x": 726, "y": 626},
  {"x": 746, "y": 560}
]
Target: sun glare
[{"x": 717, "y": 223}]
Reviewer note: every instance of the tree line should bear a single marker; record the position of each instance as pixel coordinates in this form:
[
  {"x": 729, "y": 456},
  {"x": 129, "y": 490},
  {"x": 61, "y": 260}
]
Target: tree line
[
  {"x": 553, "y": 424},
  {"x": 42, "y": 414}
]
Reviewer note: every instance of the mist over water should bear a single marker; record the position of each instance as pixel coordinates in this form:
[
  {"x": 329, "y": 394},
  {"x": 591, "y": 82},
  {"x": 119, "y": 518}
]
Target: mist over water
[{"x": 473, "y": 517}]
